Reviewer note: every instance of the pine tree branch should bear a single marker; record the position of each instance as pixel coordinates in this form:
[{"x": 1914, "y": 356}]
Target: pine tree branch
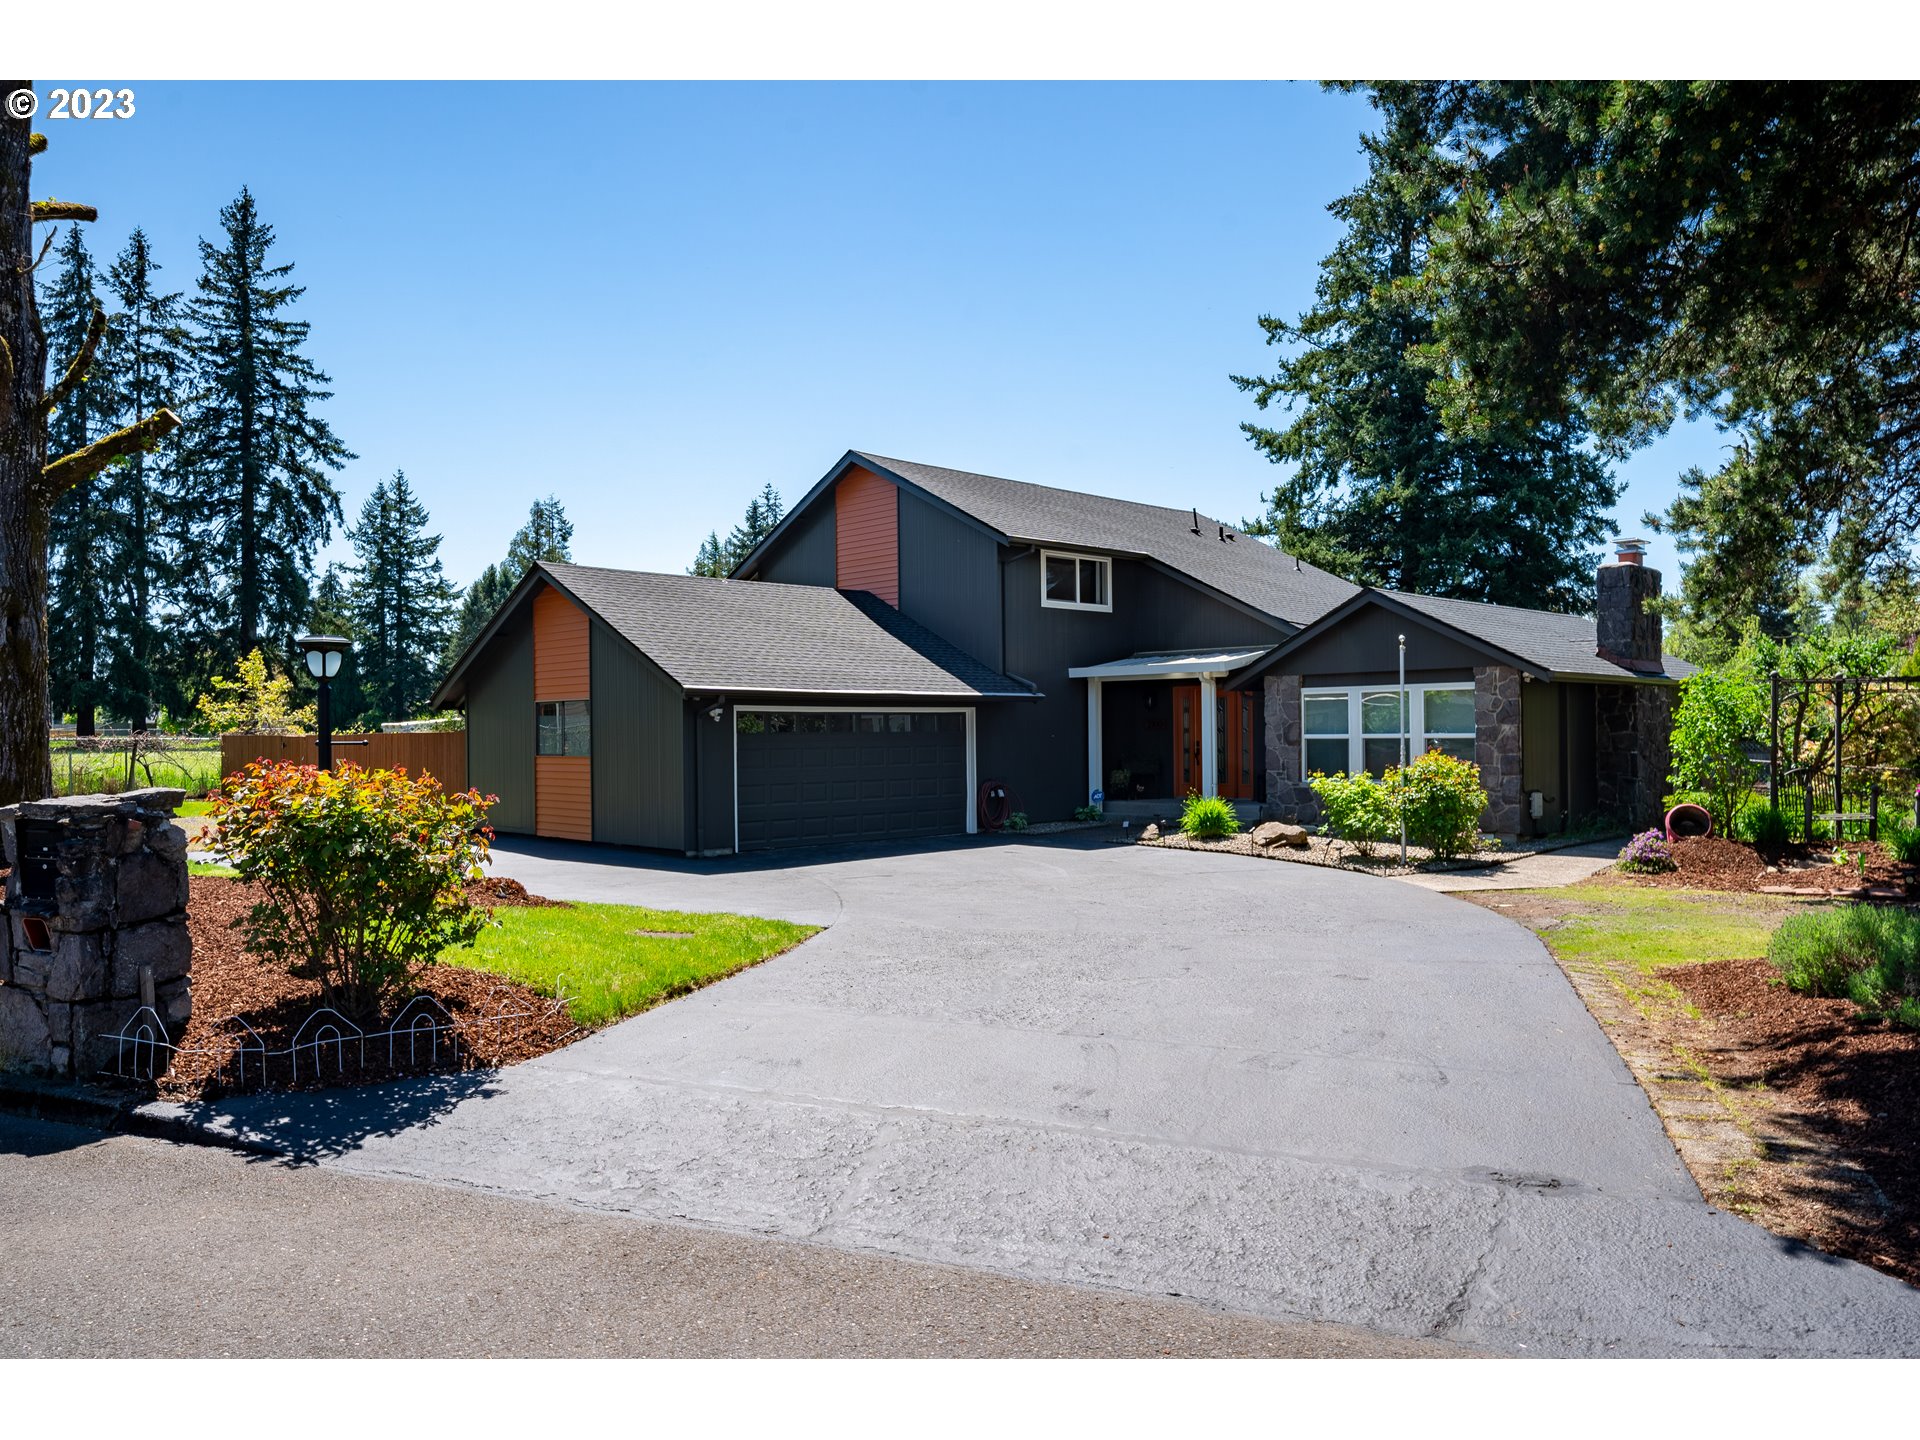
[
  {"x": 63, "y": 210},
  {"x": 77, "y": 371},
  {"x": 45, "y": 246},
  {"x": 83, "y": 464}
]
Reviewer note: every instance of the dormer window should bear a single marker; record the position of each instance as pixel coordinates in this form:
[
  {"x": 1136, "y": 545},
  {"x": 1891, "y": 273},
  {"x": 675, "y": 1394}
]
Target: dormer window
[{"x": 1075, "y": 582}]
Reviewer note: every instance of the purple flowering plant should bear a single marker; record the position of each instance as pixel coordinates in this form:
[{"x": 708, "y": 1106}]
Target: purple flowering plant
[{"x": 1648, "y": 853}]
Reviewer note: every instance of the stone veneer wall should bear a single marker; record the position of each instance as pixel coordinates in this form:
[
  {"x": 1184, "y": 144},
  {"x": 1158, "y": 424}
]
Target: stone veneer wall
[
  {"x": 119, "y": 907},
  {"x": 1633, "y": 727},
  {"x": 1496, "y": 747},
  {"x": 1288, "y": 797}
]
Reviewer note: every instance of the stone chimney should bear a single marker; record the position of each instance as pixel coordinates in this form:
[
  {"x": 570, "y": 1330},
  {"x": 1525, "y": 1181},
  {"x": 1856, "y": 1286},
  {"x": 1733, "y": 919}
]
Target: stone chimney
[{"x": 1629, "y": 631}]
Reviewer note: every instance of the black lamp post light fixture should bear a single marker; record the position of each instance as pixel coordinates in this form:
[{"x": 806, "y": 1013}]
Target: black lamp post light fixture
[{"x": 324, "y": 654}]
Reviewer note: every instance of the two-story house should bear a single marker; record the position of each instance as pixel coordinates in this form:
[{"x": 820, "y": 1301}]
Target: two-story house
[{"x": 914, "y": 647}]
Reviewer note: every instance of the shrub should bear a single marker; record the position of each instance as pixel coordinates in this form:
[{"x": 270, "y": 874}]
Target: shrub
[
  {"x": 1208, "y": 817},
  {"x": 1765, "y": 826},
  {"x": 1902, "y": 842},
  {"x": 1720, "y": 712},
  {"x": 362, "y": 873},
  {"x": 1443, "y": 799},
  {"x": 253, "y": 701},
  {"x": 1358, "y": 809},
  {"x": 1869, "y": 954},
  {"x": 1648, "y": 853},
  {"x": 1087, "y": 812},
  {"x": 1017, "y": 820}
]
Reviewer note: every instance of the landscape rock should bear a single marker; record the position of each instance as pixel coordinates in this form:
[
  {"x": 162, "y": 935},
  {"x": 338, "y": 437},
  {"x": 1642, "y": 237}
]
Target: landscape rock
[
  {"x": 1150, "y": 831},
  {"x": 163, "y": 945},
  {"x": 1272, "y": 833}
]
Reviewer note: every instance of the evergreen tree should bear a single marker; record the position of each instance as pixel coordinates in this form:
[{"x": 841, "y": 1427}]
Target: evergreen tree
[
  {"x": 547, "y": 535},
  {"x": 723, "y": 557},
  {"x": 85, "y": 532},
  {"x": 400, "y": 600},
  {"x": 255, "y": 485},
  {"x": 144, "y": 365},
  {"x": 1381, "y": 494}
]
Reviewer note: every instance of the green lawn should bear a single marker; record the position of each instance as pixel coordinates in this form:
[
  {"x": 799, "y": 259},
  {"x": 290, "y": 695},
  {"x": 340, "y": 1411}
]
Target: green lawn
[
  {"x": 212, "y": 870},
  {"x": 602, "y": 958},
  {"x": 195, "y": 807},
  {"x": 1629, "y": 933}
]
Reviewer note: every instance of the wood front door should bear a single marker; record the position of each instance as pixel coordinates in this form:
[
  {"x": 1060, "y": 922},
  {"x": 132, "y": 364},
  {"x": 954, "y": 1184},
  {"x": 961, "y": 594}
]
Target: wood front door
[{"x": 1235, "y": 716}]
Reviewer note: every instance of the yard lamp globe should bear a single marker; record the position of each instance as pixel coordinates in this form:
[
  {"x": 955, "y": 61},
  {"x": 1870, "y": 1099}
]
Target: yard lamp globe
[{"x": 324, "y": 655}]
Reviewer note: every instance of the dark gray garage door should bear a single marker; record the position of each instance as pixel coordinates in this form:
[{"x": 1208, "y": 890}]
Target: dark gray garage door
[{"x": 812, "y": 778}]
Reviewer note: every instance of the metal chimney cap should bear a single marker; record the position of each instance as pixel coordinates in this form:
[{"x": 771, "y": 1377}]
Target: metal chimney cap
[{"x": 1629, "y": 551}]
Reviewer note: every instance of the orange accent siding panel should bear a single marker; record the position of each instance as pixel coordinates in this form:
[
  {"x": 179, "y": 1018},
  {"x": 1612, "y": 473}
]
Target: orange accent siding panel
[
  {"x": 560, "y": 648},
  {"x": 866, "y": 516},
  {"x": 563, "y": 797}
]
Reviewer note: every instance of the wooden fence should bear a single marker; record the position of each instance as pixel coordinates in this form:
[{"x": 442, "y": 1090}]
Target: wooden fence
[{"x": 439, "y": 753}]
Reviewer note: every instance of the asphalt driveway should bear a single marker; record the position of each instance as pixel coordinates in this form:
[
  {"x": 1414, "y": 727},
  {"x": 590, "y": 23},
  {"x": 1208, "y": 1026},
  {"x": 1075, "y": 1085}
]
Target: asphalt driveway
[{"x": 1275, "y": 1088}]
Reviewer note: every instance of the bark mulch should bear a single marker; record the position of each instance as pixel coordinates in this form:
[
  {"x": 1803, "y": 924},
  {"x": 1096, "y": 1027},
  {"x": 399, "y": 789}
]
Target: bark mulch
[
  {"x": 1838, "y": 1099},
  {"x": 229, "y": 984},
  {"x": 1711, "y": 862}
]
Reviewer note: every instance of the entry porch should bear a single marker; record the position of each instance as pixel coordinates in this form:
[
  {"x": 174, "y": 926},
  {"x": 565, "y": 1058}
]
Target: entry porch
[{"x": 1159, "y": 727}]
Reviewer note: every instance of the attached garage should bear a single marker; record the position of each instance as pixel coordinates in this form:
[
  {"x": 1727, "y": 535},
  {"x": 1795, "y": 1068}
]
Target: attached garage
[
  {"x": 688, "y": 713},
  {"x": 817, "y": 776}
]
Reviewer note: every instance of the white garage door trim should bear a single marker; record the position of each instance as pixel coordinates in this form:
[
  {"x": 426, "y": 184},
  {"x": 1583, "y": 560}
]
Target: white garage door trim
[{"x": 972, "y": 819}]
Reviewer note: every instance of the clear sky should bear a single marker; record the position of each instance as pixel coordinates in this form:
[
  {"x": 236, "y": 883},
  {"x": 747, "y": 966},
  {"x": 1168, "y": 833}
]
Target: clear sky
[{"x": 651, "y": 299}]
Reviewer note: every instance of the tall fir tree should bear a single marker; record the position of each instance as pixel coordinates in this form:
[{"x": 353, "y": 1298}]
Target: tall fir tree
[
  {"x": 255, "y": 481},
  {"x": 721, "y": 557},
  {"x": 547, "y": 535},
  {"x": 400, "y": 600},
  {"x": 144, "y": 365},
  {"x": 85, "y": 533},
  {"x": 1381, "y": 493}
]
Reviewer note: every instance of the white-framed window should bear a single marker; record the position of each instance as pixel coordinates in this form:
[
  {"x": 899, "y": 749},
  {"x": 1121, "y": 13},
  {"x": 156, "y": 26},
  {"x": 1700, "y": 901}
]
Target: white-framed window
[
  {"x": 1075, "y": 582},
  {"x": 1347, "y": 729}
]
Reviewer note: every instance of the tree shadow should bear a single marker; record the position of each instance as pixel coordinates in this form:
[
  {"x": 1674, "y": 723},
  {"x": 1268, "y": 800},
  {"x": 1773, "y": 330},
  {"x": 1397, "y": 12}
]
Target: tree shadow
[{"x": 305, "y": 1127}]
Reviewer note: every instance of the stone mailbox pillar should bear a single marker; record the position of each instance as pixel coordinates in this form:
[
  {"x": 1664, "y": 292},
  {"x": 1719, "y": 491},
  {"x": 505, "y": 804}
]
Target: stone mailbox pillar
[{"x": 95, "y": 908}]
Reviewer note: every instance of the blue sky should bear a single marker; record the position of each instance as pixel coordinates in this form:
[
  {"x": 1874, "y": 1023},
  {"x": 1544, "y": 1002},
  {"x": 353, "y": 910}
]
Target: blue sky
[{"x": 651, "y": 299}]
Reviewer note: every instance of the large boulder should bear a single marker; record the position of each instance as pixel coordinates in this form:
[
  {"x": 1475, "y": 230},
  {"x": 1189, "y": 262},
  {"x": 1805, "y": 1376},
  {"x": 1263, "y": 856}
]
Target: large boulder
[{"x": 1272, "y": 834}]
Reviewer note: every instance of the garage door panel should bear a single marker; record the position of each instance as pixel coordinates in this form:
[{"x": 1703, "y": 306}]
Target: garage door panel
[{"x": 804, "y": 778}]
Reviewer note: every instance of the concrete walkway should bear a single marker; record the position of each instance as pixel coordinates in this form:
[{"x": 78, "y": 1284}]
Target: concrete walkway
[
  {"x": 1280, "y": 1089},
  {"x": 1543, "y": 870}
]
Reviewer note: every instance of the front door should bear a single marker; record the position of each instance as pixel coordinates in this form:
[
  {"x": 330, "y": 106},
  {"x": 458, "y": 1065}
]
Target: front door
[{"x": 1235, "y": 716}]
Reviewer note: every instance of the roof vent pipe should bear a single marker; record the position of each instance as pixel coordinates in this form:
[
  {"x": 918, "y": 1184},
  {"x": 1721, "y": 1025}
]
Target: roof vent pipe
[{"x": 1196, "y": 522}]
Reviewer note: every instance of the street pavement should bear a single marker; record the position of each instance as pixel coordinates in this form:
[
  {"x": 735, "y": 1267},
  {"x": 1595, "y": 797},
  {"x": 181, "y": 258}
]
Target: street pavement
[
  {"x": 1277, "y": 1089},
  {"x": 119, "y": 1246}
]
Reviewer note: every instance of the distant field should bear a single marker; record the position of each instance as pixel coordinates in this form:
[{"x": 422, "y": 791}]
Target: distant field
[{"x": 185, "y": 762}]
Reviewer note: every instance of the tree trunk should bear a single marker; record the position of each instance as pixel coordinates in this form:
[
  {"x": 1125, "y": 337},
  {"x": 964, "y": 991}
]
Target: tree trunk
[{"x": 25, "y": 772}]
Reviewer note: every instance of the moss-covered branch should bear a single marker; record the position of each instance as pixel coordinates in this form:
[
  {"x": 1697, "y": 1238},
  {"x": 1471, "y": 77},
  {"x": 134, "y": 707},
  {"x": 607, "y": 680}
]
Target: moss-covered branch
[
  {"x": 63, "y": 210},
  {"x": 36, "y": 143},
  {"x": 83, "y": 464},
  {"x": 6, "y": 383},
  {"x": 77, "y": 371}
]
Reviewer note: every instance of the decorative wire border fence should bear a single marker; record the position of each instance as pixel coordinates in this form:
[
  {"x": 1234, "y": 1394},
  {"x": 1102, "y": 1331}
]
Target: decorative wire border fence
[{"x": 420, "y": 1031}]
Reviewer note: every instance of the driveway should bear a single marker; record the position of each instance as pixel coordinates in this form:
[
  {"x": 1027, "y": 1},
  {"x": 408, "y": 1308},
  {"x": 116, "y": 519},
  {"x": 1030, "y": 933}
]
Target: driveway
[{"x": 1272, "y": 1088}]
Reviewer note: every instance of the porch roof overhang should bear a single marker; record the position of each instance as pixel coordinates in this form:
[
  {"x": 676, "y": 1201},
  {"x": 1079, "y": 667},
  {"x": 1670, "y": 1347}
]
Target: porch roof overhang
[{"x": 1169, "y": 665}]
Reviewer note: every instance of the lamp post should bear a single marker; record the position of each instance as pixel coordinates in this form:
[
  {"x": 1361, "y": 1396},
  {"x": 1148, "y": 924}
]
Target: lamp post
[
  {"x": 1405, "y": 721},
  {"x": 324, "y": 655}
]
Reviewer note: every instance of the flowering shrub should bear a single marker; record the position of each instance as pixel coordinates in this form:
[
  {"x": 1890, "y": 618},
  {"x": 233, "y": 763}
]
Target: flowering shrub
[
  {"x": 362, "y": 873},
  {"x": 1648, "y": 853},
  {"x": 1443, "y": 799},
  {"x": 1208, "y": 817}
]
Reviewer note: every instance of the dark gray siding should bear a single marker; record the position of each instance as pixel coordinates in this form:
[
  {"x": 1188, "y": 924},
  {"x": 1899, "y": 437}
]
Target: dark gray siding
[
  {"x": 1039, "y": 748},
  {"x": 500, "y": 724},
  {"x": 1364, "y": 648},
  {"x": 950, "y": 578},
  {"x": 710, "y": 789},
  {"x": 805, "y": 554},
  {"x": 639, "y": 785},
  {"x": 1543, "y": 755}
]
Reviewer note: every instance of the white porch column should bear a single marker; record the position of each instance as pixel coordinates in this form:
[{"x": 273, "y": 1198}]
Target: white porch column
[
  {"x": 1095, "y": 760},
  {"x": 1209, "y": 736}
]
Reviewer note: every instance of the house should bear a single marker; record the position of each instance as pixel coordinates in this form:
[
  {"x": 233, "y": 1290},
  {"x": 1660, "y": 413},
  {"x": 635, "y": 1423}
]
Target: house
[{"x": 910, "y": 637}]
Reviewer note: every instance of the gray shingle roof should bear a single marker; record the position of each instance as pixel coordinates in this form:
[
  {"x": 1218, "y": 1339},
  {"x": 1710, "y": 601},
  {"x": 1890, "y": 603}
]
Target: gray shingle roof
[
  {"x": 1254, "y": 573},
  {"x": 1563, "y": 646},
  {"x": 755, "y": 635}
]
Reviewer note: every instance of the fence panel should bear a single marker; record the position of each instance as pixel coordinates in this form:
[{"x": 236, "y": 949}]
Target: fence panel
[{"x": 439, "y": 753}]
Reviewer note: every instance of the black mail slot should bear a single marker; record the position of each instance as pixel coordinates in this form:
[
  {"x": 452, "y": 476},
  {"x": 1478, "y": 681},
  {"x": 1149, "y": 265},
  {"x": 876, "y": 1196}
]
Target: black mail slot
[{"x": 35, "y": 841}]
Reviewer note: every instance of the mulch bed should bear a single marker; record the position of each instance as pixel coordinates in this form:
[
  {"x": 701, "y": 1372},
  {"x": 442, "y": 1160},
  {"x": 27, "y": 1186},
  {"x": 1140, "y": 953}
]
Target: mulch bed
[
  {"x": 1320, "y": 850},
  {"x": 1851, "y": 1087},
  {"x": 1710, "y": 862},
  {"x": 229, "y": 983}
]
